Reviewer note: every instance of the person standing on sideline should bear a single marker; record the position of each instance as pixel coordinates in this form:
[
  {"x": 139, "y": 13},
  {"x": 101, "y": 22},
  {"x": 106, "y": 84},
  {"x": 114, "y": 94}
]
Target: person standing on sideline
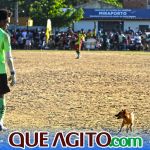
[{"x": 5, "y": 57}]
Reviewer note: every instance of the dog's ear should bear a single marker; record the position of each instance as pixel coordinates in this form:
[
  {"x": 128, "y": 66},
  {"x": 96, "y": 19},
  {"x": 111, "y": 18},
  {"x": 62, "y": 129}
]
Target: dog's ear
[{"x": 124, "y": 111}]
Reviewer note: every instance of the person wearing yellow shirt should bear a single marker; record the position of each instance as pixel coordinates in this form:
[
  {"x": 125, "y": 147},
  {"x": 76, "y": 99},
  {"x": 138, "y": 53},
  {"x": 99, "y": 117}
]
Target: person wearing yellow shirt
[{"x": 78, "y": 44}]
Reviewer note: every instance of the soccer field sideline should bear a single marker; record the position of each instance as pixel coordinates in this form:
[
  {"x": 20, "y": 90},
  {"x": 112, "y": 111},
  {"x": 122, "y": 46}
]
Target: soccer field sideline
[{"x": 88, "y": 51}]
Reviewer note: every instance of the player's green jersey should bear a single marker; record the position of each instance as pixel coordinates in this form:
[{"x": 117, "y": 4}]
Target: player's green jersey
[{"x": 4, "y": 47}]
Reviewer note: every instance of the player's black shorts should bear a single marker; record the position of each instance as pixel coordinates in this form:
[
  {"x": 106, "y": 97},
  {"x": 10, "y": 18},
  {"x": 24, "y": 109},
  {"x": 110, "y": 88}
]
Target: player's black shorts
[{"x": 3, "y": 84}]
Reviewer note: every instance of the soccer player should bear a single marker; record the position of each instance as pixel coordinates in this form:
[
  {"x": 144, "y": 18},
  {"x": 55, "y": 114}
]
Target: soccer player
[
  {"x": 5, "y": 57},
  {"x": 78, "y": 44}
]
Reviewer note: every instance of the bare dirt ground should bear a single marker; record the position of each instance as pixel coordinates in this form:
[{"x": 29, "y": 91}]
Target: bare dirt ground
[{"x": 56, "y": 91}]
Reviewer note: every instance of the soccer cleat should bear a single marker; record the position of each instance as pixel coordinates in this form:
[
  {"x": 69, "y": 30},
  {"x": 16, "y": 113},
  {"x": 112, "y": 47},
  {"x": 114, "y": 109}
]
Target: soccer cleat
[{"x": 77, "y": 57}]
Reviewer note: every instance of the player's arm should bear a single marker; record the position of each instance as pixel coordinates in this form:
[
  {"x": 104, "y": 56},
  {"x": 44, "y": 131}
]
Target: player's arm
[
  {"x": 9, "y": 59},
  {"x": 10, "y": 63}
]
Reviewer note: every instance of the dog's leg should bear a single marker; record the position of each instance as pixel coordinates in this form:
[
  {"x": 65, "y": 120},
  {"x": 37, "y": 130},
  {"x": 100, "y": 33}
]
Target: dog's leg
[
  {"x": 131, "y": 127},
  {"x": 121, "y": 128},
  {"x": 127, "y": 129}
]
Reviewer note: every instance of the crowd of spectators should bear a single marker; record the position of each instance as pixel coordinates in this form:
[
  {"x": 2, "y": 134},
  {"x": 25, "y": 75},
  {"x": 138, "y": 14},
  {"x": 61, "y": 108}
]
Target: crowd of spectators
[{"x": 112, "y": 40}]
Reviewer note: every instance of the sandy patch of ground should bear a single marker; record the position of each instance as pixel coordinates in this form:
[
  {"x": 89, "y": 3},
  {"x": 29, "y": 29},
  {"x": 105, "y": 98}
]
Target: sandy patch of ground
[{"x": 56, "y": 91}]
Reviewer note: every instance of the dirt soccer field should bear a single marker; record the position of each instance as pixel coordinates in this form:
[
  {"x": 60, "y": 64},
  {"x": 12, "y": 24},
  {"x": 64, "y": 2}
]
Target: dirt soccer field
[{"x": 56, "y": 91}]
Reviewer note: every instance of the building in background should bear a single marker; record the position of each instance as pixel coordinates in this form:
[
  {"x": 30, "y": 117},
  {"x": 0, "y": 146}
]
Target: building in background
[{"x": 105, "y": 17}]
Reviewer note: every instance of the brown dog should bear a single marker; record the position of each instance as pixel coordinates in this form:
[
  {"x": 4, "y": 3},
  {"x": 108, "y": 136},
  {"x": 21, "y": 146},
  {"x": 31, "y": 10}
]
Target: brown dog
[{"x": 128, "y": 119}]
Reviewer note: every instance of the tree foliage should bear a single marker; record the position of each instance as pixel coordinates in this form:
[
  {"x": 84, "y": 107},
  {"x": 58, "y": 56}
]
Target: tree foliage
[
  {"x": 75, "y": 2},
  {"x": 6, "y": 4},
  {"x": 57, "y": 10},
  {"x": 61, "y": 12},
  {"x": 117, "y": 3}
]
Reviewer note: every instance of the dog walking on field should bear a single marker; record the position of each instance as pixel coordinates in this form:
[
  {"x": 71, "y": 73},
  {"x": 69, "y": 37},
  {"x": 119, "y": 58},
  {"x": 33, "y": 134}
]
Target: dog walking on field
[{"x": 128, "y": 120}]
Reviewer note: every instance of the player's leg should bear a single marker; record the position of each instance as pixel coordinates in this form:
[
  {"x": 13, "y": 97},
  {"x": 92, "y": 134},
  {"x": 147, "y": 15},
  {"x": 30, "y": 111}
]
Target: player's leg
[
  {"x": 3, "y": 90},
  {"x": 78, "y": 48},
  {"x": 2, "y": 112},
  {"x": 78, "y": 54}
]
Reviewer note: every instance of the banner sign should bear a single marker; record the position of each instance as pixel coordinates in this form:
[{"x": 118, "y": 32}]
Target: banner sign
[{"x": 121, "y": 14}]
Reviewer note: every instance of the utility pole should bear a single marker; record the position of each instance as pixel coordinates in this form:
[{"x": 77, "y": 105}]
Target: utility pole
[{"x": 16, "y": 13}]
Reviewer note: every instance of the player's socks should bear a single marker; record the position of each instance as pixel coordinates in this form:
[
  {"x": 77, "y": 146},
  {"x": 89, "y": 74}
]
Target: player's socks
[
  {"x": 2, "y": 113},
  {"x": 78, "y": 54}
]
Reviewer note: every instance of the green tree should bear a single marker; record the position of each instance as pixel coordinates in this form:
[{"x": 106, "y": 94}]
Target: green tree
[
  {"x": 60, "y": 14},
  {"x": 5, "y": 4},
  {"x": 75, "y": 2},
  {"x": 117, "y": 3},
  {"x": 10, "y": 5},
  {"x": 41, "y": 10},
  {"x": 25, "y": 4}
]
